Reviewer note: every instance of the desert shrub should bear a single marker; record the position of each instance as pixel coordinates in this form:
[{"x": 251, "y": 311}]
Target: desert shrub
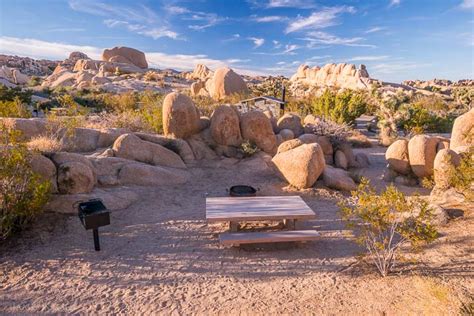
[
  {"x": 337, "y": 132},
  {"x": 45, "y": 143},
  {"x": 15, "y": 108},
  {"x": 249, "y": 148},
  {"x": 389, "y": 114},
  {"x": 10, "y": 94},
  {"x": 206, "y": 105},
  {"x": 22, "y": 192},
  {"x": 342, "y": 107},
  {"x": 462, "y": 178},
  {"x": 417, "y": 119},
  {"x": 34, "y": 81},
  {"x": 464, "y": 96},
  {"x": 385, "y": 222}
]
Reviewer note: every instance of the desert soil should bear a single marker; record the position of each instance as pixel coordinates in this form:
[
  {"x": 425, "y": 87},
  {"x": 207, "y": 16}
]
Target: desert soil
[{"x": 160, "y": 256}]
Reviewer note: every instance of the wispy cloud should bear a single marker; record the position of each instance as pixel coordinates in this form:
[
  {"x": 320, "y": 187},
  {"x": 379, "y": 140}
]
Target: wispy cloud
[
  {"x": 289, "y": 50},
  {"x": 368, "y": 58},
  {"x": 396, "y": 67},
  {"x": 154, "y": 33},
  {"x": 234, "y": 37},
  {"x": 141, "y": 20},
  {"x": 205, "y": 19},
  {"x": 41, "y": 49},
  {"x": 375, "y": 29},
  {"x": 269, "y": 18},
  {"x": 269, "y": 4},
  {"x": 276, "y": 44},
  {"x": 257, "y": 41},
  {"x": 467, "y": 4},
  {"x": 394, "y": 3},
  {"x": 65, "y": 29},
  {"x": 316, "y": 37},
  {"x": 318, "y": 19}
]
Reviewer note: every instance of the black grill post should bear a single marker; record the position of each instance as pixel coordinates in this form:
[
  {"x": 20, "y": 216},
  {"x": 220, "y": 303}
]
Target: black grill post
[
  {"x": 93, "y": 214},
  {"x": 96, "y": 239}
]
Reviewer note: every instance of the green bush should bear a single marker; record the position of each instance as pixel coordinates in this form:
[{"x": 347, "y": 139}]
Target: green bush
[
  {"x": 342, "y": 107},
  {"x": 15, "y": 108},
  {"x": 10, "y": 94},
  {"x": 418, "y": 119},
  {"x": 384, "y": 222},
  {"x": 22, "y": 192}
]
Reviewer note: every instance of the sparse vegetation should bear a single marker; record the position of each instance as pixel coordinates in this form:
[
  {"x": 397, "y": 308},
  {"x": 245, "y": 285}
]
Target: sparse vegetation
[
  {"x": 342, "y": 107},
  {"x": 22, "y": 192},
  {"x": 383, "y": 223}
]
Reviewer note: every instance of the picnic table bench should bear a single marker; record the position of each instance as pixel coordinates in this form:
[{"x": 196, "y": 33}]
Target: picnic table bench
[{"x": 233, "y": 210}]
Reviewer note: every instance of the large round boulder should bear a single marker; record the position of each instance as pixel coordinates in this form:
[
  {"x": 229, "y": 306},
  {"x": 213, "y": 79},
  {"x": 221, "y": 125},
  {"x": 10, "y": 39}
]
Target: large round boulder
[
  {"x": 288, "y": 145},
  {"x": 75, "y": 177},
  {"x": 130, "y": 146},
  {"x": 421, "y": 153},
  {"x": 180, "y": 116},
  {"x": 225, "y": 126},
  {"x": 224, "y": 83},
  {"x": 46, "y": 169},
  {"x": 463, "y": 131},
  {"x": 125, "y": 55},
  {"x": 338, "y": 179},
  {"x": 257, "y": 128},
  {"x": 445, "y": 165},
  {"x": 292, "y": 122},
  {"x": 300, "y": 166},
  {"x": 397, "y": 156}
]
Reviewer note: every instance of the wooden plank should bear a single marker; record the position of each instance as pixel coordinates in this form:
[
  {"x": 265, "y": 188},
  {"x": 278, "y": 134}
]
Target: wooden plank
[
  {"x": 257, "y": 208},
  {"x": 267, "y": 237}
]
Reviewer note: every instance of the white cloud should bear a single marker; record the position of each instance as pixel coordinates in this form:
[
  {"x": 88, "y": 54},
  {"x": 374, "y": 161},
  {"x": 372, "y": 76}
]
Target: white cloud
[
  {"x": 301, "y": 4},
  {"x": 208, "y": 19},
  {"x": 317, "y": 37},
  {"x": 34, "y": 48},
  {"x": 289, "y": 49},
  {"x": 142, "y": 21},
  {"x": 396, "y": 67},
  {"x": 394, "y": 3},
  {"x": 368, "y": 58},
  {"x": 40, "y": 49},
  {"x": 467, "y": 4},
  {"x": 269, "y": 18},
  {"x": 154, "y": 33},
  {"x": 257, "y": 41},
  {"x": 276, "y": 44},
  {"x": 374, "y": 29},
  {"x": 318, "y": 19}
]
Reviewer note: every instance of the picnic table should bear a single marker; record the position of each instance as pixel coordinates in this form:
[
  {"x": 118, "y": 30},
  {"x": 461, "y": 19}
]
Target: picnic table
[{"x": 234, "y": 210}]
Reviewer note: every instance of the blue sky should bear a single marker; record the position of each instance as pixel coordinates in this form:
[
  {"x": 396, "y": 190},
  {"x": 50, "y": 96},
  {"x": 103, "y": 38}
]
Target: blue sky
[{"x": 396, "y": 39}]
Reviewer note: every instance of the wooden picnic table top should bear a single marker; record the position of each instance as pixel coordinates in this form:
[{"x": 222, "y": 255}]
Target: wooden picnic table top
[{"x": 235, "y": 209}]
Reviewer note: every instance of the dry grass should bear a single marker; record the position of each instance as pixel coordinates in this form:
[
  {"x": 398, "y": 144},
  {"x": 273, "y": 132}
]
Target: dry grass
[{"x": 45, "y": 143}]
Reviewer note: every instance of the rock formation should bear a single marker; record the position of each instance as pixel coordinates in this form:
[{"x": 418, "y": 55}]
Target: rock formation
[
  {"x": 125, "y": 55},
  {"x": 222, "y": 83},
  {"x": 333, "y": 75},
  {"x": 180, "y": 116}
]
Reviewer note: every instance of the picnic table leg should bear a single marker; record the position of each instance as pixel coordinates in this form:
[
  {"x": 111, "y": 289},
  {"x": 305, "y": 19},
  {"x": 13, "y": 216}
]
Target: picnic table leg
[{"x": 233, "y": 226}]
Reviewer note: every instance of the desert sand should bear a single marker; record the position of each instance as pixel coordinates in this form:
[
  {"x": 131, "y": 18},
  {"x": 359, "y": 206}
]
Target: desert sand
[{"x": 160, "y": 256}]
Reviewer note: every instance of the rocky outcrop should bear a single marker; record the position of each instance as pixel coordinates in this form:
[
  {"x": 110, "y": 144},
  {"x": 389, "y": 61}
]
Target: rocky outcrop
[
  {"x": 180, "y": 116},
  {"x": 131, "y": 147},
  {"x": 13, "y": 76},
  {"x": 224, "y": 82},
  {"x": 145, "y": 175},
  {"x": 125, "y": 55},
  {"x": 397, "y": 157},
  {"x": 288, "y": 145},
  {"x": 463, "y": 131},
  {"x": 345, "y": 76},
  {"x": 200, "y": 72},
  {"x": 46, "y": 169},
  {"x": 338, "y": 179},
  {"x": 445, "y": 165},
  {"x": 292, "y": 122},
  {"x": 75, "y": 177},
  {"x": 225, "y": 126},
  {"x": 28, "y": 128},
  {"x": 301, "y": 166},
  {"x": 256, "y": 127},
  {"x": 421, "y": 153}
]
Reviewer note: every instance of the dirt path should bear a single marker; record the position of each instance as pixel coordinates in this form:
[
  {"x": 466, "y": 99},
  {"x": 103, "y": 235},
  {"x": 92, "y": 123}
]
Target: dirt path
[{"x": 161, "y": 256}]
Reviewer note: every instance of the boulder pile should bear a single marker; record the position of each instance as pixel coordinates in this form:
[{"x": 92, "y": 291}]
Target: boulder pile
[
  {"x": 344, "y": 76},
  {"x": 425, "y": 156},
  {"x": 223, "y": 82}
]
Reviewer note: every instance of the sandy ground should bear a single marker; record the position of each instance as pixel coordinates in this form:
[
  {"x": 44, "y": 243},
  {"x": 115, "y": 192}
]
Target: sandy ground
[{"x": 161, "y": 256}]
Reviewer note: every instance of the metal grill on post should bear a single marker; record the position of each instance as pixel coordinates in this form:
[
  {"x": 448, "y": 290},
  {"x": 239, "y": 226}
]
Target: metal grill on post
[{"x": 93, "y": 214}]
